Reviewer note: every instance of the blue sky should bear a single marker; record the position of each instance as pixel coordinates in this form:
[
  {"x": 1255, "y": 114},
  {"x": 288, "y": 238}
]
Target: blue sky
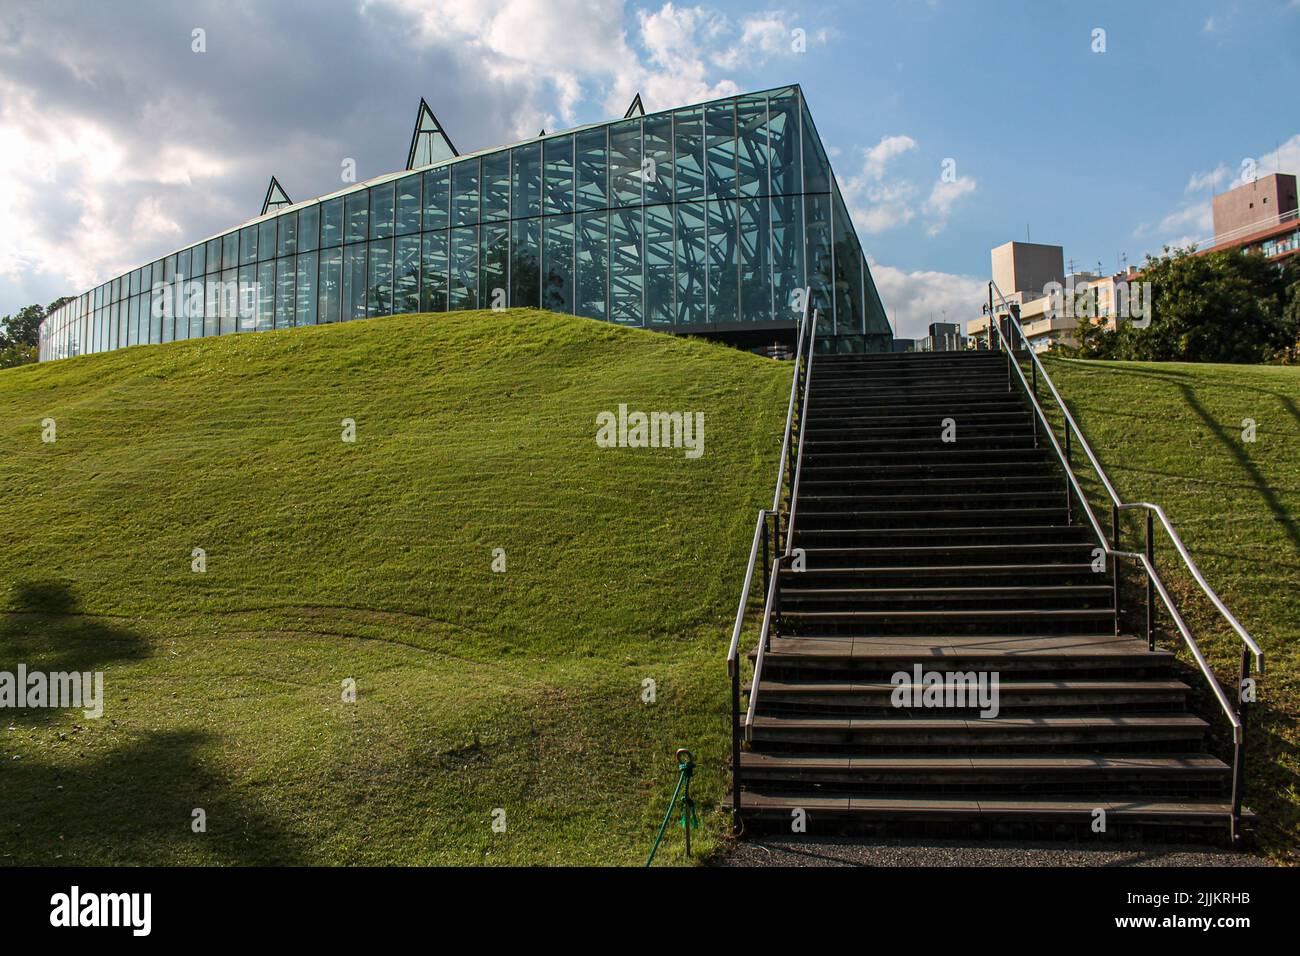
[{"x": 119, "y": 143}]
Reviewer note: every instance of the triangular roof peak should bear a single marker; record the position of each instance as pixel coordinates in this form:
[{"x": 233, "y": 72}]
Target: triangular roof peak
[
  {"x": 275, "y": 197},
  {"x": 636, "y": 109},
  {"x": 429, "y": 142}
]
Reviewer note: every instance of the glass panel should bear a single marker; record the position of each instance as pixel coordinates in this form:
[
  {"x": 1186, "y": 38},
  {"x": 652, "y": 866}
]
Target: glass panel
[
  {"x": 464, "y": 268},
  {"x": 381, "y": 211},
  {"x": 357, "y": 209},
  {"x": 657, "y": 153},
  {"x": 123, "y": 321},
  {"x": 308, "y": 228},
  {"x": 183, "y": 264},
  {"x": 331, "y": 223},
  {"x": 593, "y": 264},
  {"x": 817, "y": 255},
  {"x": 755, "y": 264},
  {"x": 688, "y": 154},
  {"x": 266, "y": 239},
  {"x": 659, "y": 264},
  {"x": 246, "y": 301},
  {"x": 211, "y": 257},
  {"x": 379, "y": 288},
  {"x": 406, "y": 273},
  {"x": 558, "y": 263},
  {"x": 330, "y": 295},
  {"x": 408, "y": 205},
  {"x": 265, "y": 296},
  {"x": 494, "y": 263},
  {"x": 558, "y": 181},
  {"x": 592, "y": 165},
  {"x": 285, "y": 296},
  {"x": 159, "y": 300},
  {"x": 625, "y": 233},
  {"x": 433, "y": 272},
  {"x": 783, "y": 136},
  {"x": 247, "y": 245},
  {"x": 526, "y": 181},
  {"x": 724, "y": 276},
  {"x": 751, "y": 145},
  {"x": 354, "y": 282},
  {"x": 195, "y": 306},
  {"x": 496, "y": 186},
  {"x": 305, "y": 289},
  {"x": 525, "y": 262},
  {"x": 286, "y": 234},
  {"x": 816, "y": 169},
  {"x": 229, "y": 251},
  {"x": 848, "y": 273},
  {"x": 169, "y": 269},
  {"x": 133, "y": 284},
  {"x": 437, "y": 195},
  {"x": 212, "y": 304},
  {"x": 154, "y": 318},
  {"x": 464, "y": 193},
  {"x": 720, "y": 133},
  {"x": 625, "y": 171},
  {"x": 787, "y": 255},
  {"x": 198, "y": 261},
  {"x": 691, "y": 271}
]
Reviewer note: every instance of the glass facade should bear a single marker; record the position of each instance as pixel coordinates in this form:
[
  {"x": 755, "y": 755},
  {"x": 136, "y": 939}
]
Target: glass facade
[{"x": 706, "y": 220}]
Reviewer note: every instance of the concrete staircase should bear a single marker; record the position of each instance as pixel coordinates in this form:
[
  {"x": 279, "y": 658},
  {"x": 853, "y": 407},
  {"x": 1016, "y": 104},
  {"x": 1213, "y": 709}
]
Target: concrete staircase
[{"x": 959, "y": 557}]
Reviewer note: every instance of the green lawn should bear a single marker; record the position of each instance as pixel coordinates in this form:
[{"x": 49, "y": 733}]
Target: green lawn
[
  {"x": 372, "y": 560},
  {"x": 1172, "y": 433}
]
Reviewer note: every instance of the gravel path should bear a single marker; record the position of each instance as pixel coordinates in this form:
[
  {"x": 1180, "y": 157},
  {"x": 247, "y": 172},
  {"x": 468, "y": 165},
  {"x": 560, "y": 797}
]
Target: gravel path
[{"x": 793, "y": 851}]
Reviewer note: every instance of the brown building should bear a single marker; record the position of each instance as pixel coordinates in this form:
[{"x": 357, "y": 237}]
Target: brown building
[{"x": 1253, "y": 206}]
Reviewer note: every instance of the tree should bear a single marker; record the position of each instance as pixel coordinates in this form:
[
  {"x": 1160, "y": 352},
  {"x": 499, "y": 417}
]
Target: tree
[
  {"x": 20, "y": 334},
  {"x": 1227, "y": 306}
]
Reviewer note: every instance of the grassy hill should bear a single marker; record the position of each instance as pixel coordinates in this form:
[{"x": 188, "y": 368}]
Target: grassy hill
[
  {"x": 372, "y": 561},
  {"x": 1172, "y": 433}
]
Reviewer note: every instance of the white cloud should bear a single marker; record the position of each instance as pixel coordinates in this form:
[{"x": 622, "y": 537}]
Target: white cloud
[
  {"x": 919, "y": 298},
  {"x": 876, "y": 201},
  {"x": 1214, "y": 179},
  {"x": 943, "y": 195}
]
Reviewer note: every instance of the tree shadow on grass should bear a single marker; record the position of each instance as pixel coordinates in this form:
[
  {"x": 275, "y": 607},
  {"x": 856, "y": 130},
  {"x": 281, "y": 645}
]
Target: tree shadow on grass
[
  {"x": 48, "y": 632},
  {"x": 134, "y": 805},
  {"x": 1236, "y": 448},
  {"x": 68, "y": 797}
]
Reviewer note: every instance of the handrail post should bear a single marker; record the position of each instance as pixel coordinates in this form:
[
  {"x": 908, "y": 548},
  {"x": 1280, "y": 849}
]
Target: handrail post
[
  {"x": 1239, "y": 750},
  {"x": 735, "y": 748},
  {"x": 776, "y": 603},
  {"x": 766, "y": 565},
  {"x": 1151, "y": 601},
  {"x": 1114, "y": 566}
]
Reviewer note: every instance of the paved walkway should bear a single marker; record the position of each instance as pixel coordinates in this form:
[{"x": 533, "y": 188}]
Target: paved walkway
[{"x": 793, "y": 851}]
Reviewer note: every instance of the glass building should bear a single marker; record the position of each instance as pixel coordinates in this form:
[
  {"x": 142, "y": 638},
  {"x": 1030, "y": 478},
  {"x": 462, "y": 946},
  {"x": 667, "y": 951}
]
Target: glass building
[{"x": 705, "y": 220}]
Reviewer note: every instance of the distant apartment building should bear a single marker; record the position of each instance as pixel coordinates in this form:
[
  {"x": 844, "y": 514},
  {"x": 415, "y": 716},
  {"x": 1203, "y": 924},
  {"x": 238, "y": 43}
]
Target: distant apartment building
[
  {"x": 942, "y": 337},
  {"x": 1025, "y": 274},
  {"x": 1259, "y": 216}
]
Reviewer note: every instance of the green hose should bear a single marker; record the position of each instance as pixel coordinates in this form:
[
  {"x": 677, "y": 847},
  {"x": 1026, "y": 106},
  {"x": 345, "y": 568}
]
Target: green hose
[{"x": 688, "y": 819}]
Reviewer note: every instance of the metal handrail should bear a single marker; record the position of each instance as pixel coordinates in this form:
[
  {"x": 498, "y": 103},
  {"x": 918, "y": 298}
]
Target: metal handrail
[
  {"x": 807, "y": 332},
  {"x": 1119, "y": 504},
  {"x": 773, "y": 586},
  {"x": 733, "y": 647},
  {"x": 1235, "y": 714},
  {"x": 764, "y": 638},
  {"x": 1255, "y": 650}
]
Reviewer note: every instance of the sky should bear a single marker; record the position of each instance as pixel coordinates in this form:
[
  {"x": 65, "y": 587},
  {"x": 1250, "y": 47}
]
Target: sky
[{"x": 953, "y": 125}]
